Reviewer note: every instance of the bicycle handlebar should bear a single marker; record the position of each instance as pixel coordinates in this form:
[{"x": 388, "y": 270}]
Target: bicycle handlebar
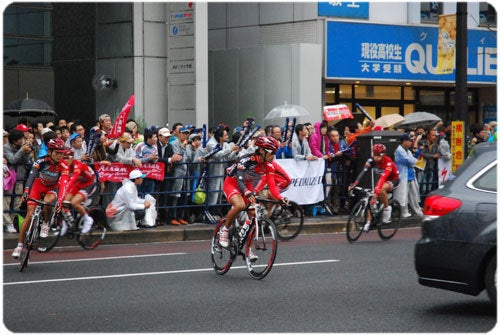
[{"x": 39, "y": 202}]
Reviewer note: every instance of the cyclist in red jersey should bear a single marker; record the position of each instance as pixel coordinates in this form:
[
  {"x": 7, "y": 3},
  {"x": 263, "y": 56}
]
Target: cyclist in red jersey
[
  {"x": 82, "y": 176},
  {"x": 281, "y": 179},
  {"x": 388, "y": 181},
  {"x": 238, "y": 184},
  {"x": 47, "y": 174}
]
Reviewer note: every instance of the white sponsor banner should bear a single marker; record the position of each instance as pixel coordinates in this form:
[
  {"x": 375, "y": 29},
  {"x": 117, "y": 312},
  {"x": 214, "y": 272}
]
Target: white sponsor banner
[{"x": 307, "y": 180}]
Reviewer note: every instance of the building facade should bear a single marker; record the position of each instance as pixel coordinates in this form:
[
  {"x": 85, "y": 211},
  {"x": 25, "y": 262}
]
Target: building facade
[{"x": 214, "y": 62}]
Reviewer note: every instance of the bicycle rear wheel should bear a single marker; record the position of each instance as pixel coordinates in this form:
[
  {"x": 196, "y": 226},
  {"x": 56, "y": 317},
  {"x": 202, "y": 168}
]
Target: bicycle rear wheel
[
  {"x": 387, "y": 230},
  {"x": 46, "y": 244},
  {"x": 289, "y": 220},
  {"x": 356, "y": 222},
  {"x": 222, "y": 258},
  {"x": 94, "y": 237},
  {"x": 262, "y": 243}
]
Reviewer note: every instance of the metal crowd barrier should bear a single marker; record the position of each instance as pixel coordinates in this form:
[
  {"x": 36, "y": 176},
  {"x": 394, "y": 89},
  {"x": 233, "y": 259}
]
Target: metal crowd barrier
[{"x": 211, "y": 213}]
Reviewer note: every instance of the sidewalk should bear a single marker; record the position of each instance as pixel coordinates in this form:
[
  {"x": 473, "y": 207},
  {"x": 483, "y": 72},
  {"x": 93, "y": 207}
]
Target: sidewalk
[{"x": 201, "y": 231}]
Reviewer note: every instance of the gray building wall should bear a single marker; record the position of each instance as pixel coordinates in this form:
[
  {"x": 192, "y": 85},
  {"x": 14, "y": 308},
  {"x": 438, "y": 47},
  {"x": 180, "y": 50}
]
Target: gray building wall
[
  {"x": 248, "y": 82},
  {"x": 261, "y": 56}
]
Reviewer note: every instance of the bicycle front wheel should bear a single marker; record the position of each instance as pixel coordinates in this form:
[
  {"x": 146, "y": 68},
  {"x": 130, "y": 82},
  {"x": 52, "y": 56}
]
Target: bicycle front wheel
[
  {"x": 356, "y": 222},
  {"x": 289, "y": 220},
  {"x": 46, "y": 244},
  {"x": 387, "y": 230},
  {"x": 28, "y": 244},
  {"x": 94, "y": 237},
  {"x": 261, "y": 248},
  {"x": 222, "y": 258}
]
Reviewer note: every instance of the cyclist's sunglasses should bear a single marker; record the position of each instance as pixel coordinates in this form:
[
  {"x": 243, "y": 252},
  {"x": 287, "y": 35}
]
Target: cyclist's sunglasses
[{"x": 270, "y": 151}]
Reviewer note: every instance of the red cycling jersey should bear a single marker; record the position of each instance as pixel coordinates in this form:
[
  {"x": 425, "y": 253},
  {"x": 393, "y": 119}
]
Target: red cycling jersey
[
  {"x": 45, "y": 176},
  {"x": 387, "y": 170},
  {"x": 242, "y": 175},
  {"x": 82, "y": 176},
  {"x": 281, "y": 179}
]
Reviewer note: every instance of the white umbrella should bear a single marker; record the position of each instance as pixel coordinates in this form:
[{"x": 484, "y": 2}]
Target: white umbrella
[
  {"x": 389, "y": 120},
  {"x": 286, "y": 110},
  {"x": 420, "y": 119}
]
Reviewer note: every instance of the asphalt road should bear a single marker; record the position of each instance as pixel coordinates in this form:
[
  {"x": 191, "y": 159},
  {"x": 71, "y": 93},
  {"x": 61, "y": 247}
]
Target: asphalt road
[{"x": 320, "y": 283}]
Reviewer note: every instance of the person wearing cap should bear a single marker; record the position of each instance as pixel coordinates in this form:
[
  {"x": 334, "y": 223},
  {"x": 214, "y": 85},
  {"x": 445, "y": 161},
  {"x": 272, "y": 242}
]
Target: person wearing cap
[
  {"x": 133, "y": 129},
  {"x": 22, "y": 127},
  {"x": 126, "y": 207},
  {"x": 78, "y": 128},
  {"x": 407, "y": 194},
  {"x": 178, "y": 173},
  {"x": 125, "y": 153},
  {"x": 167, "y": 157},
  {"x": 76, "y": 144}
]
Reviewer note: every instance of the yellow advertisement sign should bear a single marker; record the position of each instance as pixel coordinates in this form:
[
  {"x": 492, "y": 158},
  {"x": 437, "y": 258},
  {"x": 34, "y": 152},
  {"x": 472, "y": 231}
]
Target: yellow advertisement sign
[
  {"x": 457, "y": 144},
  {"x": 447, "y": 38}
]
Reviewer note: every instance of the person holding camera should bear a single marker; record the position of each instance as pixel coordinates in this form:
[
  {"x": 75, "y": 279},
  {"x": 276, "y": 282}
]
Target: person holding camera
[{"x": 18, "y": 152}]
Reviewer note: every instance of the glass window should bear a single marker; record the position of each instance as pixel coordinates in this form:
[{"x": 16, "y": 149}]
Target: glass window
[
  {"x": 430, "y": 11},
  {"x": 345, "y": 91},
  {"x": 378, "y": 92},
  {"x": 432, "y": 98},
  {"x": 408, "y": 108},
  {"x": 487, "y": 14},
  {"x": 488, "y": 180},
  {"x": 469, "y": 98},
  {"x": 28, "y": 34},
  {"x": 409, "y": 93}
]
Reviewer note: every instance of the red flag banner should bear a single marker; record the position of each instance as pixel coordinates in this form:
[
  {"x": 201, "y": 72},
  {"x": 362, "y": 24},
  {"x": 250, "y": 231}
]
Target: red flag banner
[
  {"x": 336, "y": 113},
  {"x": 116, "y": 172},
  {"x": 120, "y": 123}
]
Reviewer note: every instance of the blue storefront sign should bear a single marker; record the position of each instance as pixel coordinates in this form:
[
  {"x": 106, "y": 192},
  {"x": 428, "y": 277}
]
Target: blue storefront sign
[
  {"x": 357, "y": 10},
  {"x": 363, "y": 51}
]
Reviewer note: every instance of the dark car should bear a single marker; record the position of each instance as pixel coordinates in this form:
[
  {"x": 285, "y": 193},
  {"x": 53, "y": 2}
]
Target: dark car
[{"x": 457, "y": 250}]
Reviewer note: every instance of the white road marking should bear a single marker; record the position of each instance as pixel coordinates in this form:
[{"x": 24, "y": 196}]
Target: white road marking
[
  {"x": 157, "y": 273},
  {"x": 98, "y": 259}
]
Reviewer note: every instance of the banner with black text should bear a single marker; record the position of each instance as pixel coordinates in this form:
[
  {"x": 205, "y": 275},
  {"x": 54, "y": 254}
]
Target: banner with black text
[{"x": 306, "y": 187}]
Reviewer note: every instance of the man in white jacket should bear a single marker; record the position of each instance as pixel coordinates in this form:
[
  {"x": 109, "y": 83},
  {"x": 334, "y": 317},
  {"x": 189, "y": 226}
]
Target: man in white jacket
[{"x": 126, "y": 206}]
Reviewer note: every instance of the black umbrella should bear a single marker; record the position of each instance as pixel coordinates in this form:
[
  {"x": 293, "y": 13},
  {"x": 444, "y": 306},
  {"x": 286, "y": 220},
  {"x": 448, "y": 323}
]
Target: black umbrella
[
  {"x": 25, "y": 110},
  {"x": 28, "y": 107}
]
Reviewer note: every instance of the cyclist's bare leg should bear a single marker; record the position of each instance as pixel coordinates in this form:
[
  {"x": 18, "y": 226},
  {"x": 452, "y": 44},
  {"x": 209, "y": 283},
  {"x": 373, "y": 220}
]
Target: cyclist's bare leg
[
  {"x": 383, "y": 195},
  {"x": 76, "y": 202},
  {"x": 26, "y": 221},
  {"x": 49, "y": 198},
  {"x": 238, "y": 204}
]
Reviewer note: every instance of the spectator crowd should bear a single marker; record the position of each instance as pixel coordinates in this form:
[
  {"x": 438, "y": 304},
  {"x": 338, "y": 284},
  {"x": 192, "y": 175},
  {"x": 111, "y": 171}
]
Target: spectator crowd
[{"x": 195, "y": 160}]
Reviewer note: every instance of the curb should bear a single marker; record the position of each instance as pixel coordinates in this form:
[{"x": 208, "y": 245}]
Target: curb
[{"x": 200, "y": 231}]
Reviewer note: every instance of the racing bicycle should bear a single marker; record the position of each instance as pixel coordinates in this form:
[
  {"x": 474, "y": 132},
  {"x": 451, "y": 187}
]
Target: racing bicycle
[
  {"x": 32, "y": 239},
  {"x": 257, "y": 245},
  {"x": 359, "y": 212},
  {"x": 90, "y": 240}
]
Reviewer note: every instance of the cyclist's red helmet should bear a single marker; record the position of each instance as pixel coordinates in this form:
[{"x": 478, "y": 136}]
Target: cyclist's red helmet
[
  {"x": 268, "y": 143},
  {"x": 68, "y": 152},
  {"x": 378, "y": 149},
  {"x": 56, "y": 144}
]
